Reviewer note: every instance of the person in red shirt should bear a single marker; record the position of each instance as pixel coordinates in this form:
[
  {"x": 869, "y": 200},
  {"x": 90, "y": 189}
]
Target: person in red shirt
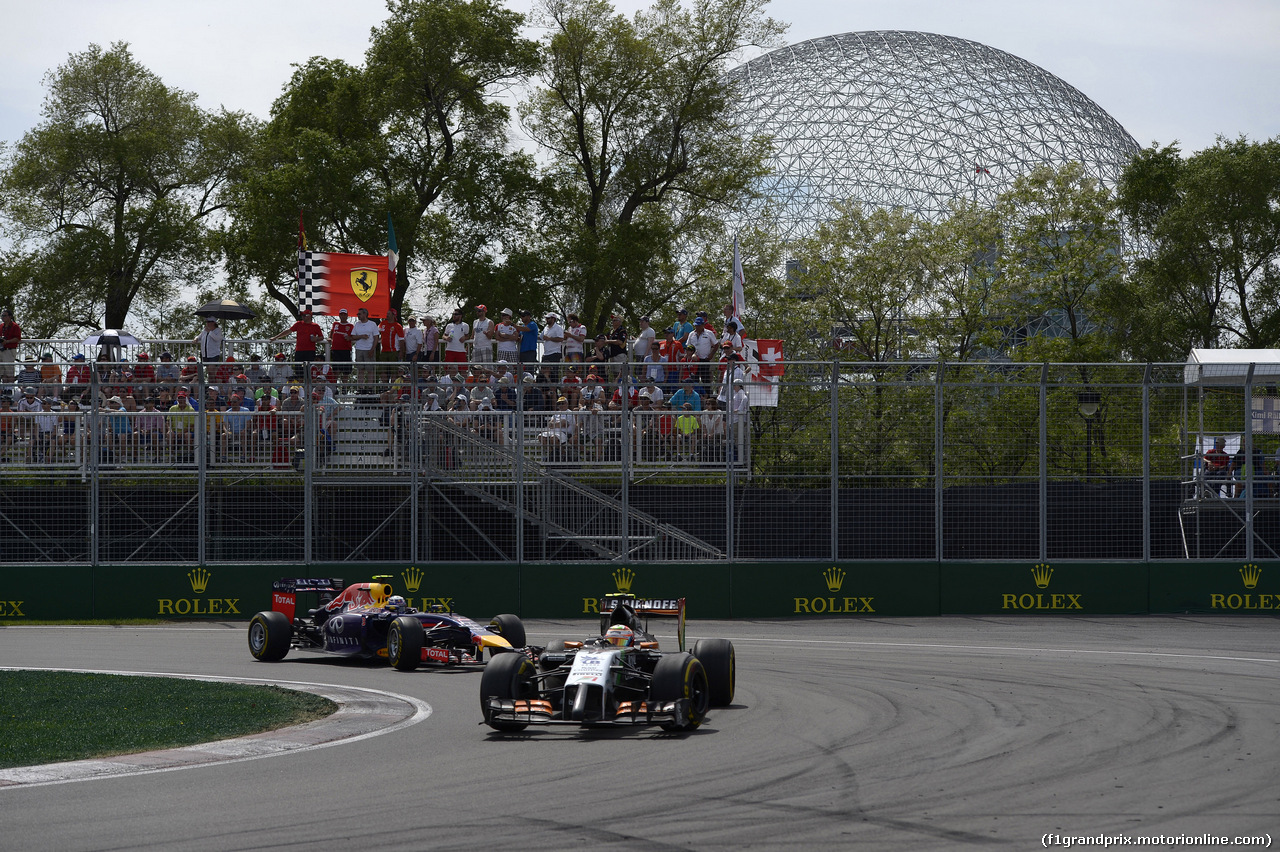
[
  {"x": 223, "y": 374},
  {"x": 391, "y": 338},
  {"x": 143, "y": 372},
  {"x": 10, "y": 339},
  {"x": 309, "y": 335},
  {"x": 78, "y": 373},
  {"x": 340, "y": 344}
]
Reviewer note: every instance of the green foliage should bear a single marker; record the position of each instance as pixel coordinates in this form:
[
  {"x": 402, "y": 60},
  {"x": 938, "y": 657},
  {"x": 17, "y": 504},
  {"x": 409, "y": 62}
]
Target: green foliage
[
  {"x": 646, "y": 157},
  {"x": 416, "y": 132},
  {"x": 56, "y": 716},
  {"x": 1206, "y": 271},
  {"x": 108, "y": 200}
]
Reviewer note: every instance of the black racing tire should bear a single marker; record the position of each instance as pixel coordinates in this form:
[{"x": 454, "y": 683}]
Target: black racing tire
[
  {"x": 404, "y": 643},
  {"x": 717, "y": 657},
  {"x": 681, "y": 676},
  {"x": 511, "y": 628},
  {"x": 269, "y": 636},
  {"x": 507, "y": 676}
]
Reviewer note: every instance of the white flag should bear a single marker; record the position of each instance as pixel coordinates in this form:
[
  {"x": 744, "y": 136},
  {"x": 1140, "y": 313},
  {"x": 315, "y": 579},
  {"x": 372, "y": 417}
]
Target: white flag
[{"x": 738, "y": 301}]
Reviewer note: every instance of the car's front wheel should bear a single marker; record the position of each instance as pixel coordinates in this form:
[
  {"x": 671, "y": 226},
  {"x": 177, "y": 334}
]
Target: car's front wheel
[
  {"x": 269, "y": 636},
  {"x": 404, "y": 643},
  {"x": 680, "y": 677},
  {"x": 509, "y": 627},
  {"x": 507, "y": 677}
]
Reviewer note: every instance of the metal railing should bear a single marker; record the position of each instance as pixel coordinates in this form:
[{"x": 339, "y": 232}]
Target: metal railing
[{"x": 927, "y": 460}]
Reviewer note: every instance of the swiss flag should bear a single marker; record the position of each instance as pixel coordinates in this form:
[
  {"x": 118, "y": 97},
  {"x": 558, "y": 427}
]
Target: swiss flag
[{"x": 769, "y": 353}]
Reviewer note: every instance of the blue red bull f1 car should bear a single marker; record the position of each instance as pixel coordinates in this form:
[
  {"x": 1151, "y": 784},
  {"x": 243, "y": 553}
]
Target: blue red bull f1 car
[{"x": 368, "y": 620}]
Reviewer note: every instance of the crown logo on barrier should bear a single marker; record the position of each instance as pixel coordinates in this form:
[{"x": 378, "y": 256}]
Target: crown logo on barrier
[
  {"x": 1250, "y": 573},
  {"x": 1041, "y": 574},
  {"x": 412, "y": 578},
  {"x": 834, "y": 577},
  {"x": 199, "y": 580},
  {"x": 624, "y": 577}
]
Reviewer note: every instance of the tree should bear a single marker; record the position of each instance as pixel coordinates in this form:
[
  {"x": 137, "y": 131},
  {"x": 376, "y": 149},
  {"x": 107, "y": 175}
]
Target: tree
[
  {"x": 1061, "y": 249},
  {"x": 110, "y": 198},
  {"x": 415, "y": 132},
  {"x": 964, "y": 290},
  {"x": 1206, "y": 267},
  {"x": 637, "y": 117}
]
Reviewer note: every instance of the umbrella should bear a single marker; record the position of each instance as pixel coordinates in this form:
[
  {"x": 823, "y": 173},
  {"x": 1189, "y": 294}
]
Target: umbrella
[
  {"x": 228, "y": 309},
  {"x": 111, "y": 337}
]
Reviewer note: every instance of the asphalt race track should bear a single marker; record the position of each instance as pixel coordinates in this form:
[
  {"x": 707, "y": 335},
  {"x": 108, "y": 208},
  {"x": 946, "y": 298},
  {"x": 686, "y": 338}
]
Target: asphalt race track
[{"x": 899, "y": 734}]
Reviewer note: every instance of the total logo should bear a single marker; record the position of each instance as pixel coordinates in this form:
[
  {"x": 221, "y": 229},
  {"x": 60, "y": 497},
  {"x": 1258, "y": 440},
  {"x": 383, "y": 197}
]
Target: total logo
[
  {"x": 1042, "y": 574},
  {"x": 199, "y": 579},
  {"x": 832, "y": 604},
  {"x": 1250, "y": 574}
]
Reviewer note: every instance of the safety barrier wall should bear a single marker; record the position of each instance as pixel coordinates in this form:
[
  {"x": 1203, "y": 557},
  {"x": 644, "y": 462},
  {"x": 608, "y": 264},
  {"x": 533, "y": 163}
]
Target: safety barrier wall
[{"x": 713, "y": 590}]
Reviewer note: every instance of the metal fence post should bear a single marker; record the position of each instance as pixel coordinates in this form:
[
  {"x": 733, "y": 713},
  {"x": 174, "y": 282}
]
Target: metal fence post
[
  {"x": 624, "y": 393},
  {"x": 835, "y": 459},
  {"x": 938, "y": 459},
  {"x": 519, "y": 463},
  {"x": 308, "y": 462},
  {"x": 1146, "y": 463},
  {"x": 1249, "y": 465},
  {"x": 95, "y": 481},
  {"x": 201, "y": 444},
  {"x": 1044, "y": 462}
]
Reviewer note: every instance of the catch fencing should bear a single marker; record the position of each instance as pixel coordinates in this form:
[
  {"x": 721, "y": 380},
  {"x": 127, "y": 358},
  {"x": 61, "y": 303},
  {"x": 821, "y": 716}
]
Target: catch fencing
[{"x": 857, "y": 461}]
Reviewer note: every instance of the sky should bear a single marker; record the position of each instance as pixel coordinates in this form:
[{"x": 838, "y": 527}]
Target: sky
[{"x": 1167, "y": 70}]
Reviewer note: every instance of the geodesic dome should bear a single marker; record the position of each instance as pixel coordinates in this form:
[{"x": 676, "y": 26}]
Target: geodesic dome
[{"x": 913, "y": 120}]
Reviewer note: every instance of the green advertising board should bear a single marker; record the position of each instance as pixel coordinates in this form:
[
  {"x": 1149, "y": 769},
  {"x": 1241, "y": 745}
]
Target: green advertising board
[
  {"x": 41, "y": 592},
  {"x": 862, "y": 589},
  {"x": 1235, "y": 588},
  {"x": 1044, "y": 588}
]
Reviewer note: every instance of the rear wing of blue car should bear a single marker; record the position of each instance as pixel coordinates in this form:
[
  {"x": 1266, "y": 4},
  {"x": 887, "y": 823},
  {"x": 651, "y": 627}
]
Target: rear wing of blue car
[{"x": 645, "y": 608}]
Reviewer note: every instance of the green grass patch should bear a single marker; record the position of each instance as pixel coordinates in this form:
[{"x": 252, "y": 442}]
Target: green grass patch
[{"x": 54, "y": 716}]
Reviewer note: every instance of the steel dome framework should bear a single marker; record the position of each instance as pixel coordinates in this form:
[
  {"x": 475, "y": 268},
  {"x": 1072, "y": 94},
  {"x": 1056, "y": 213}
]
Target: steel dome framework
[{"x": 913, "y": 120}]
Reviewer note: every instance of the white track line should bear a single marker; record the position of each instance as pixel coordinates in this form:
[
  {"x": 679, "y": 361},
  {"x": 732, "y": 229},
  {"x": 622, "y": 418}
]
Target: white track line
[{"x": 268, "y": 744}]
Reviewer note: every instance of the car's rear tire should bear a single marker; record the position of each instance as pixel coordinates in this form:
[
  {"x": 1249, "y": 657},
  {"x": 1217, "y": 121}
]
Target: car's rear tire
[
  {"x": 269, "y": 636},
  {"x": 511, "y": 628},
  {"x": 717, "y": 657},
  {"x": 681, "y": 676},
  {"x": 507, "y": 676},
  {"x": 404, "y": 643}
]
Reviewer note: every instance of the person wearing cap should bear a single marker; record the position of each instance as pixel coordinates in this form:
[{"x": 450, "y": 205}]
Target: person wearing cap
[
  {"x": 232, "y": 443},
  {"x": 598, "y": 360},
  {"x": 682, "y": 327},
  {"x": 44, "y": 436},
  {"x": 308, "y": 335},
  {"x": 645, "y": 341},
  {"x": 364, "y": 346},
  {"x": 340, "y": 344},
  {"x": 10, "y": 340},
  {"x": 390, "y": 341},
  {"x": 561, "y": 429},
  {"x": 731, "y": 343},
  {"x": 167, "y": 371},
  {"x": 687, "y": 425},
  {"x": 528, "y": 329},
  {"x": 210, "y": 341},
  {"x": 148, "y": 426},
  {"x": 592, "y": 392},
  {"x": 180, "y": 431},
  {"x": 78, "y": 373},
  {"x": 29, "y": 372},
  {"x": 119, "y": 431},
  {"x": 686, "y": 394},
  {"x": 553, "y": 341},
  {"x": 508, "y": 337},
  {"x": 144, "y": 372},
  {"x": 482, "y": 334}
]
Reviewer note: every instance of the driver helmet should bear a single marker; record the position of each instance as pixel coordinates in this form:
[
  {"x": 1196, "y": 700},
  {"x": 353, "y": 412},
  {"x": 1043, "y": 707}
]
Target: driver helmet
[
  {"x": 395, "y": 603},
  {"x": 620, "y": 635}
]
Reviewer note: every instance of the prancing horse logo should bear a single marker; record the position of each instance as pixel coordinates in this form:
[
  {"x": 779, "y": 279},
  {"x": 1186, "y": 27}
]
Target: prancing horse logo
[{"x": 364, "y": 283}]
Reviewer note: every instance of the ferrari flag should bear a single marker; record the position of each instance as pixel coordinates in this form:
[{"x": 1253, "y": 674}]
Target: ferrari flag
[{"x": 329, "y": 282}]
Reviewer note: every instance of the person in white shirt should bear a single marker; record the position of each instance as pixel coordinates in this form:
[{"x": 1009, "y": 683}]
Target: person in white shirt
[
  {"x": 364, "y": 340},
  {"x": 644, "y": 341},
  {"x": 413, "y": 342},
  {"x": 655, "y": 393},
  {"x": 210, "y": 341},
  {"x": 575, "y": 336},
  {"x": 455, "y": 340},
  {"x": 482, "y": 337},
  {"x": 553, "y": 339},
  {"x": 732, "y": 340},
  {"x": 508, "y": 337}
]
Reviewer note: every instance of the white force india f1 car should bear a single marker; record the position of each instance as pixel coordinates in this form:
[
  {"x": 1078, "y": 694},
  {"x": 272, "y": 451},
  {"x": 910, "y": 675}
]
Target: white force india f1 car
[{"x": 615, "y": 679}]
